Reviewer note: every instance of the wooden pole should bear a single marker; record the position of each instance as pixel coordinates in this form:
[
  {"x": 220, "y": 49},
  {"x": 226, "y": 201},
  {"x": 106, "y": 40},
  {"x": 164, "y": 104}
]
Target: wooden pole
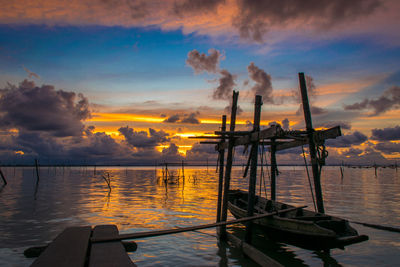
[
  {"x": 2, "y": 177},
  {"x": 228, "y": 168},
  {"x": 221, "y": 171},
  {"x": 253, "y": 168},
  {"x": 190, "y": 228},
  {"x": 37, "y": 170},
  {"x": 273, "y": 169},
  {"x": 313, "y": 154}
]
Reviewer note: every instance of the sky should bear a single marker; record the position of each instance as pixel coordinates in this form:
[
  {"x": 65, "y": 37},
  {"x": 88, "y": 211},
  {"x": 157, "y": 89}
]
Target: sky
[{"x": 127, "y": 82}]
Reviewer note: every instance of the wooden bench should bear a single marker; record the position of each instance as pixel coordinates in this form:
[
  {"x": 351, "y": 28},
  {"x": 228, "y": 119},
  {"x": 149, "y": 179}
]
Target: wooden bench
[{"x": 73, "y": 248}]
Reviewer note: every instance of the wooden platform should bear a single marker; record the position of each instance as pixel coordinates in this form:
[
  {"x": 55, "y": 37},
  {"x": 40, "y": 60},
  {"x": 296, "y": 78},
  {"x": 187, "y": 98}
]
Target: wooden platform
[{"x": 73, "y": 248}]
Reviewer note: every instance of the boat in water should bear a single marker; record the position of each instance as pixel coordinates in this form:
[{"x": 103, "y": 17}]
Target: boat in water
[{"x": 301, "y": 227}]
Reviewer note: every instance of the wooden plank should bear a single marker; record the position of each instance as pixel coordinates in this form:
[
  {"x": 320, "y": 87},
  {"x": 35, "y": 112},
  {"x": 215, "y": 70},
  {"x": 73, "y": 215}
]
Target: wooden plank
[
  {"x": 68, "y": 249},
  {"x": 253, "y": 253},
  {"x": 110, "y": 253}
]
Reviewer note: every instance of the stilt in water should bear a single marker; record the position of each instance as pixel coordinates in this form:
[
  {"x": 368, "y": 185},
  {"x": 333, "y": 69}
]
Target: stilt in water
[
  {"x": 37, "y": 171},
  {"x": 228, "y": 168},
  {"x": 3, "y": 177},
  {"x": 221, "y": 171},
  {"x": 312, "y": 145},
  {"x": 253, "y": 169}
]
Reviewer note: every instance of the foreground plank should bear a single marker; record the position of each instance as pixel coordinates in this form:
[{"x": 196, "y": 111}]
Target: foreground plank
[
  {"x": 68, "y": 249},
  {"x": 110, "y": 253}
]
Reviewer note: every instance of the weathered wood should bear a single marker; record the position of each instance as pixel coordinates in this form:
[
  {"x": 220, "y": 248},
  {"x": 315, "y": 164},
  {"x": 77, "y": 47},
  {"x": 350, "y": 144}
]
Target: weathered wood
[
  {"x": 68, "y": 249},
  {"x": 221, "y": 172},
  {"x": 228, "y": 168},
  {"x": 272, "y": 131},
  {"x": 3, "y": 177},
  {"x": 110, "y": 253},
  {"x": 273, "y": 171},
  {"x": 253, "y": 253},
  {"x": 312, "y": 145},
  {"x": 190, "y": 228},
  {"x": 253, "y": 168}
]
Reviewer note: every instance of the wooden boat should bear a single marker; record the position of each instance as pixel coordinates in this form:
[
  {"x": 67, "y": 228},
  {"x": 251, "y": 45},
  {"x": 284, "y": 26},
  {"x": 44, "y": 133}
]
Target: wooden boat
[{"x": 303, "y": 228}]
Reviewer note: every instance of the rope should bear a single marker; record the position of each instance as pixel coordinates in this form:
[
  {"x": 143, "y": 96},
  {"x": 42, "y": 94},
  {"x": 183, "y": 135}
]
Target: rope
[
  {"x": 262, "y": 170},
  {"x": 309, "y": 180}
]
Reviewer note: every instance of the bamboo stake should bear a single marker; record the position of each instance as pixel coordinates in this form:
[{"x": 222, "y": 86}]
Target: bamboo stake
[
  {"x": 190, "y": 228},
  {"x": 37, "y": 171}
]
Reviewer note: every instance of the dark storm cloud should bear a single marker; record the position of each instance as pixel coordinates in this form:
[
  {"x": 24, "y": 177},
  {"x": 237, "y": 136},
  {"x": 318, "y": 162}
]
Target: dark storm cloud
[
  {"x": 172, "y": 119},
  {"x": 348, "y": 140},
  {"x": 32, "y": 108},
  {"x": 390, "y": 99},
  {"x": 201, "y": 62},
  {"x": 388, "y": 147},
  {"x": 256, "y": 18},
  {"x": 263, "y": 85},
  {"x": 187, "y": 118},
  {"x": 143, "y": 139},
  {"x": 386, "y": 134},
  {"x": 196, "y": 6},
  {"x": 171, "y": 153},
  {"x": 225, "y": 87},
  {"x": 191, "y": 118}
]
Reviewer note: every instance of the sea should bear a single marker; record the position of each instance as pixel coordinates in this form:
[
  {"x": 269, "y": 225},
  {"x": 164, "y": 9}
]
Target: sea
[{"x": 32, "y": 213}]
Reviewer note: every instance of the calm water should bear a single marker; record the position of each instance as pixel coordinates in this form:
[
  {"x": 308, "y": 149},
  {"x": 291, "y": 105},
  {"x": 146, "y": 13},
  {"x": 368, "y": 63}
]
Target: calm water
[{"x": 139, "y": 201}]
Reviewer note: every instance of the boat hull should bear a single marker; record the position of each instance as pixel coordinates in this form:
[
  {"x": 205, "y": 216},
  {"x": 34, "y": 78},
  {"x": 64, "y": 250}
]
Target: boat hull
[{"x": 302, "y": 228}]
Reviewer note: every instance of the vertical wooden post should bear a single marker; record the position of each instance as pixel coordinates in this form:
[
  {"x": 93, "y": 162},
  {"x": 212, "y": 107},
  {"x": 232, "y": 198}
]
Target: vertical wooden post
[
  {"x": 313, "y": 154},
  {"x": 2, "y": 176},
  {"x": 228, "y": 168},
  {"x": 221, "y": 170},
  {"x": 273, "y": 169},
  {"x": 37, "y": 171},
  {"x": 253, "y": 168}
]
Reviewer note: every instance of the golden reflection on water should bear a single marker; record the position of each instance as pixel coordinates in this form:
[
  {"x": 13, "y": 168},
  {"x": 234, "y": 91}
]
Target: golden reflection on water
[{"x": 140, "y": 200}]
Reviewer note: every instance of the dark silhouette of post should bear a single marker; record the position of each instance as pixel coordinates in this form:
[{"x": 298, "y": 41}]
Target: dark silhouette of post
[
  {"x": 221, "y": 170},
  {"x": 253, "y": 168},
  {"x": 312, "y": 147},
  {"x": 37, "y": 171},
  {"x": 2, "y": 177},
  {"x": 273, "y": 169},
  {"x": 228, "y": 168}
]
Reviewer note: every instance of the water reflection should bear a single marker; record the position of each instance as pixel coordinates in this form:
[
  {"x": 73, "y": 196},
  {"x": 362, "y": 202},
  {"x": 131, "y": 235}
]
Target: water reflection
[{"x": 140, "y": 200}]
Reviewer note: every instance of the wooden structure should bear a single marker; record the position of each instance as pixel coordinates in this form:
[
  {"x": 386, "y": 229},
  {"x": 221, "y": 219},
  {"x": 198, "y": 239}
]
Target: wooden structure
[
  {"x": 73, "y": 248},
  {"x": 276, "y": 138}
]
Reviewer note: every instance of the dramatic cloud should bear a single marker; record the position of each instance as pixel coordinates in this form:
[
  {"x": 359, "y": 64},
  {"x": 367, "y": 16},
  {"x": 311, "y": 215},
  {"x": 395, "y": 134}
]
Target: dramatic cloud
[
  {"x": 388, "y": 101},
  {"x": 262, "y": 81},
  {"x": 386, "y": 134},
  {"x": 388, "y": 147},
  {"x": 172, "y": 119},
  {"x": 32, "y": 108},
  {"x": 171, "y": 153},
  {"x": 285, "y": 124},
  {"x": 201, "y": 62},
  {"x": 191, "y": 118},
  {"x": 329, "y": 124},
  {"x": 190, "y": 7},
  {"x": 348, "y": 140},
  {"x": 226, "y": 86},
  {"x": 314, "y": 110},
  {"x": 256, "y": 18},
  {"x": 187, "y": 118},
  {"x": 143, "y": 139},
  {"x": 253, "y": 20}
]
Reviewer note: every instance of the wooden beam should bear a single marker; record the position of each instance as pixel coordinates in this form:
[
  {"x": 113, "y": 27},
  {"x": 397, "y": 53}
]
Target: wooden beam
[{"x": 190, "y": 228}]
